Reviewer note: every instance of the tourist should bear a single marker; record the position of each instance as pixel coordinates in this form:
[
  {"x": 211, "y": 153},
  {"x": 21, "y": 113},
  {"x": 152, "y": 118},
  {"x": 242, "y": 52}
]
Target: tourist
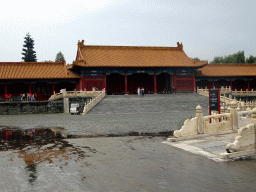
[
  {"x": 174, "y": 90},
  {"x": 21, "y": 97},
  {"x": 28, "y": 97},
  {"x": 35, "y": 97},
  {"x": 6, "y": 97},
  {"x": 31, "y": 96},
  {"x": 142, "y": 91},
  {"x": 138, "y": 90},
  {"x": 10, "y": 97}
]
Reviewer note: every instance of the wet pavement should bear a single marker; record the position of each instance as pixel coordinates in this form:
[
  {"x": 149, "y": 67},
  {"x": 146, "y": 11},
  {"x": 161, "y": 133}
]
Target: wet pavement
[
  {"x": 39, "y": 159},
  {"x": 117, "y": 164}
]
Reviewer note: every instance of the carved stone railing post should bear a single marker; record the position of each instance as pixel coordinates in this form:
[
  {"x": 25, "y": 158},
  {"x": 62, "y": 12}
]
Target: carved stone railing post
[
  {"x": 253, "y": 119},
  {"x": 222, "y": 110},
  {"x": 228, "y": 110},
  {"x": 248, "y": 109},
  {"x": 251, "y": 105},
  {"x": 234, "y": 116},
  {"x": 199, "y": 117},
  {"x": 242, "y": 106}
]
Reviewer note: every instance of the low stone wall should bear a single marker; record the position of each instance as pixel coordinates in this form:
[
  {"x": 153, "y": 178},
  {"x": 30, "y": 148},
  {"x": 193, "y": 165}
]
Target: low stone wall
[{"x": 34, "y": 107}]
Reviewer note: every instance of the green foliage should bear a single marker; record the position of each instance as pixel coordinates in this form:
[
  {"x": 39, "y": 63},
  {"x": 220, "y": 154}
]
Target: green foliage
[
  {"x": 28, "y": 50},
  {"x": 234, "y": 58},
  {"x": 59, "y": 57},
  {"x": 251, "y": 59}
]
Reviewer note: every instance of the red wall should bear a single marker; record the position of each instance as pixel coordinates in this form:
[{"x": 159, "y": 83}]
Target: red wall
[{"x": 184, "y": 82}]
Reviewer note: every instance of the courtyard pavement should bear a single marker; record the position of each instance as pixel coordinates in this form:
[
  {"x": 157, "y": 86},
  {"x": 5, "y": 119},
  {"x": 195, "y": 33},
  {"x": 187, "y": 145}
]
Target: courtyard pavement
[{"x": 122, "y": 163}]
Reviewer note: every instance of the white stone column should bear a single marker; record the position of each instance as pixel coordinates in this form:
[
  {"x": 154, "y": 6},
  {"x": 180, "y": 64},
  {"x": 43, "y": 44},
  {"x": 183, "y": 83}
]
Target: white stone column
[
  {"x": 234, "y": 116},
  {"x": 199, "y": 116}
]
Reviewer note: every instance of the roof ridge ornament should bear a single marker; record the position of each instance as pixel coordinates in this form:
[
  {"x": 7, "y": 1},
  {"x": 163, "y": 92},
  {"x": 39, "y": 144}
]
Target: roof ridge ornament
[
  {"x": 80, "y": 44},
  {"x": 180, "y": 45}
]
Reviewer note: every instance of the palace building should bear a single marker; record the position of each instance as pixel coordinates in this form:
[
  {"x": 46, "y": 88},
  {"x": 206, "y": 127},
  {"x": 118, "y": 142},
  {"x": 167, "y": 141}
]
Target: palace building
[{"x": 121, "y": 70}]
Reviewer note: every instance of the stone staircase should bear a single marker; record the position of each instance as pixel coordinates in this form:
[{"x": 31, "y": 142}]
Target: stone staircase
[{"x": 161, "y": 103}]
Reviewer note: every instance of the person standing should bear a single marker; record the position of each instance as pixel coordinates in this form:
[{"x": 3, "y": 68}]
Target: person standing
[
  {"x": 138, "y": 90},
  {"x": 6, "y": 97},
  {"x": 28, "y": 98},
  {"x": 10, "y": 97},
  {"x": 142, "y": 91}
]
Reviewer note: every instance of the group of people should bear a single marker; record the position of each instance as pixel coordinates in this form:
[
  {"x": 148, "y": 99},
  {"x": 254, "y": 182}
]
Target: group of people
[
  {"x": 28, "y": 97},
  {"x": 8, "y": 97},
  {"x": 23, "y": 97},
  {"x": 141, "y": 91}
]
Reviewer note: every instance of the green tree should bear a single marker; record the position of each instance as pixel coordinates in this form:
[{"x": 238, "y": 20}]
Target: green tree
[
  {"x": 251, "y": 59},
  {"x": 29, "y": 55},
  {"x": 234, "y": 58},
  {"x": 59, "y": 57}
]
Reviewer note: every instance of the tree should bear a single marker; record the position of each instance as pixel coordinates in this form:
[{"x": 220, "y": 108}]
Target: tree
[
  {"x": 59, "y": 57},
  {"x": 251, "y": 59},
  {"x": 28, "y": 50},
  {"x": 234, "y": 58}
]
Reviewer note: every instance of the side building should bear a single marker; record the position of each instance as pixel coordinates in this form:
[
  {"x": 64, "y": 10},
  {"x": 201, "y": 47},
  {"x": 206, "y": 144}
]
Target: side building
[
  {"x": 43, "y": 78},
  {"x": 122, "y": 69},
  {"x": 236, "y": 76}
]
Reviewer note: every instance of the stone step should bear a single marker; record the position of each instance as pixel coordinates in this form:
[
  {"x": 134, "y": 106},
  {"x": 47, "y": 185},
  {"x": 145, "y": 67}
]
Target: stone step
[{"x": 161, "y": 103}]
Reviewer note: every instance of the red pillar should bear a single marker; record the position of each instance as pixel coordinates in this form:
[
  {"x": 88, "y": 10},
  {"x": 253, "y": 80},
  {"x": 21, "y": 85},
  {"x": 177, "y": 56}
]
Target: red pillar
[
  {"x": 212, "y": 83},
  {"x": 248, "y": 85},
  {"x": 83, "y": 83},
  {"x": 194, "y": 84},
  {"x": 105, "y": 83},
  {"x": 53, "y": 88},
  {"x": 231, "y": 85},
  {"x": 125, "y": 83},
  {"x": 155, "y": 86},
  {"x": 29, "y": 90}
]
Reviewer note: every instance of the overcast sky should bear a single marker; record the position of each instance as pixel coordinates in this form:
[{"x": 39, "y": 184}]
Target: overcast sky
[{"x": 207, "y": 28}]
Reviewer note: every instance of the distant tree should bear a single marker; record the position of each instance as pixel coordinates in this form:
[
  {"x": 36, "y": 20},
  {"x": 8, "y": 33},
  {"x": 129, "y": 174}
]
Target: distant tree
[
  {"x": 251, "y": 59},
  {"x": 234, "y": 58},
  {"x": 59, "y": 57},
  {"x": 28, "y": 50}
]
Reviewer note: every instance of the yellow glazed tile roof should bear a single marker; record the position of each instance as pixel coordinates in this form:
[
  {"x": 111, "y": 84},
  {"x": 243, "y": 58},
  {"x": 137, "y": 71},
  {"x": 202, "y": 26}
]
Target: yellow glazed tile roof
[
  {"x": 131, "y": 56},
  {"x": 35, "y": 70},
  {"x": 221, "y": 70}
]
